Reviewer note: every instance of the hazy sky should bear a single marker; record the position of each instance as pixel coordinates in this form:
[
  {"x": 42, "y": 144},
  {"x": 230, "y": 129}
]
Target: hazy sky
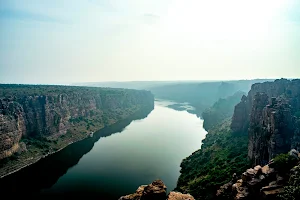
[{"x": 63, "y": 41}]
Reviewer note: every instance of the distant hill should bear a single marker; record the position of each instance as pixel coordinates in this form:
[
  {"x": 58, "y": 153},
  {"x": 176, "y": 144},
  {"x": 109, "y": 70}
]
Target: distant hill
[
  {"x": 200, "y": 94},
  {"x": 133, "y": 84}
]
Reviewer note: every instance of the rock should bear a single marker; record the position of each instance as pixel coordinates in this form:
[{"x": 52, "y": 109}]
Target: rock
[
  {"x": 294, "y": 153},
  {"x": 224, "y": 190},
  {"x": 262, "y": 177},
  {"x": 135, "y": 196},
  {"x": 272, "y": 183},
  {"x": 267, "y": 116},
  {"x": 179, "y": 196},
  {"x": 156, "y": 190},
  {"x": 242, "y": 193},
  {"x": 270, "y": 192},
  {"x": 153, "y": 191},
  {"x": 257, "y": 168},
  {"x": 254, "y": 185},
  {"x": 267, "y": 170},
  {"x": 246, "y": 177},
  {"x": 251, "y": 172}
]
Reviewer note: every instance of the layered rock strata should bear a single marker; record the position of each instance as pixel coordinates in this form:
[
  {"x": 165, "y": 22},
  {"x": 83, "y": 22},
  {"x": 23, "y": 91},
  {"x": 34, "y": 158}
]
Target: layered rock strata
[{"x": 270, "y": 115}]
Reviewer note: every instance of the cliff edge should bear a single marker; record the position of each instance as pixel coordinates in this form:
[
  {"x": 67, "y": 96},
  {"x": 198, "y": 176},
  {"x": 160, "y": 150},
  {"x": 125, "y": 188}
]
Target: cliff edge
[
  {"x": 270, "y": 115},
  {"x": 37, "y": 120}
]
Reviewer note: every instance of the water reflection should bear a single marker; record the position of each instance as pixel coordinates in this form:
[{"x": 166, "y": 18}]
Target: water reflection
[{"x": 45, "y": 173}]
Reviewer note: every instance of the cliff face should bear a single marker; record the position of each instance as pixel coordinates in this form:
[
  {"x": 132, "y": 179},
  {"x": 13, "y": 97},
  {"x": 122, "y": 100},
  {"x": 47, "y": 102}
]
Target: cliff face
[
  {"x": 270, "y": 116},
  {"x": 221, "y": 110},
  {"x": 53, "y": 111}
]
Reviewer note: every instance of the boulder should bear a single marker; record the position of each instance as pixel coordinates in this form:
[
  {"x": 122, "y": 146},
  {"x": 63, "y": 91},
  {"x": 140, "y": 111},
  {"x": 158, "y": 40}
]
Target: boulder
[
  {"x": 267, "y": 170},
  {"x": 294, "y": 153},
  {"x": 154, "y": 191},
  {"x": 179, "y": 196},
  {"x": 225, "y": 189},
  {"x": 242, "y": 193},
  {"x": 257, "y": 168},
  {"x": 135, "y": 196},
  {"x": 270, "y": 192}
]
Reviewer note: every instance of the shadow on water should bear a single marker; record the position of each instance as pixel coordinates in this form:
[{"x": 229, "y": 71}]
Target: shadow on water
[{"x": 46, "y": 172}]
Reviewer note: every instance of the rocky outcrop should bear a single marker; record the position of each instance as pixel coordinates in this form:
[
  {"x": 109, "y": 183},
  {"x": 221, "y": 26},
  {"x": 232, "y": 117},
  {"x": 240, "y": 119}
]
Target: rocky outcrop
[
  {"x": 179, "y": 196},
  {"x": 52, "y": 111},
  {"x": 157, "y": 190},
  {"x": 270, "y": 115},
  {"x": 265, "y": 182}
]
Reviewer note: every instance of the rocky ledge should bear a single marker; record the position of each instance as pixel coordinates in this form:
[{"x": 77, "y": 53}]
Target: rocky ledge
[
  {"x": 157, "y": 190},
  {"x": 267, "y": 182}
]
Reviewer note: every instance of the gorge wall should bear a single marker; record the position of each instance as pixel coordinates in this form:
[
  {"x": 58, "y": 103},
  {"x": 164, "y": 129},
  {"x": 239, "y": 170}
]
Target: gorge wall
[
  {"x": 270, "y": 115},
  {"x": 60, "y": 115},
  {"x": 264, "y": 123}
]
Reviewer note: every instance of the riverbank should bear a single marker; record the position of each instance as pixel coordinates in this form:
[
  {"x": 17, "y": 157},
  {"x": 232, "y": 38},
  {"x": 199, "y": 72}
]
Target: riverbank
[
  {"x": 108, "y": 164},
  {"x": 39, "y": 149}
]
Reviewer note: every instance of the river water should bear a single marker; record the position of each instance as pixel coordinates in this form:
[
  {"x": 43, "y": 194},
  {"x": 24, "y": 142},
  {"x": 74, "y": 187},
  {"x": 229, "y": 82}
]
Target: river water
[{"x": 117, "y": 159}]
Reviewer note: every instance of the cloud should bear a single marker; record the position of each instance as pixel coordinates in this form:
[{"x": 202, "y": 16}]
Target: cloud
[{"x": 13, "y": 14}]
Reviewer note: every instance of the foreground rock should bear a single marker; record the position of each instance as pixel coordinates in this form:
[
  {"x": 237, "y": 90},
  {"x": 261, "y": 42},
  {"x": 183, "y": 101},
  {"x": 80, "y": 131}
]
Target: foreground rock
[
  {"x": 180, "y": 196},
  {"x": 157, "y": 190},
  {"x": 265, "y": 182}
]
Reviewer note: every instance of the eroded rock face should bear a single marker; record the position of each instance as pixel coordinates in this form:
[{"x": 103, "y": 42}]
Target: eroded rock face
[
  {"x": 270, "y": 116},
  {"x": 37, "y": 111},
  {"x": 12, "y": 127}
]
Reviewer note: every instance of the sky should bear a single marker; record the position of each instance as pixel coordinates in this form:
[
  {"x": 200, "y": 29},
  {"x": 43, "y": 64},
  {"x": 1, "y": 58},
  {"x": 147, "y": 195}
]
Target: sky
[{"x": 71, "y": 41}]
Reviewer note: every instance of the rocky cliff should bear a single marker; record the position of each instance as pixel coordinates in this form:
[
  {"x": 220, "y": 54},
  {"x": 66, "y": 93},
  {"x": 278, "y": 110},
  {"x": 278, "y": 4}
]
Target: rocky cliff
[
  {"x": 50, "y": 117},
  {"x": 279, "y": 179},
  {"x": 270, "y": 116}
]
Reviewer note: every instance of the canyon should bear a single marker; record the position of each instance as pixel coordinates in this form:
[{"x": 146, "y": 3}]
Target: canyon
[
  {"x": 37, "y": 120},
  {"x": 264, "y": 126},
  {"x": 243, "y": 156}
]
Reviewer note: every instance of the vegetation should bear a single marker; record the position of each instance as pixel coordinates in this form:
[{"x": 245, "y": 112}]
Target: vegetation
[
  {"x": 222, "y": 154},
  {"x": 221, "y": 110},
  {"x": 20, "y": 90},
  {"x": 284, "y": 162},
  {"x": 292, "y": 190}
]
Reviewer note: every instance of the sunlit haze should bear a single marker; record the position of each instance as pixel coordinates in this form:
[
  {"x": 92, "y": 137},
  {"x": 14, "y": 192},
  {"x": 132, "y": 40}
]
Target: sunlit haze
[{"x": 61, "y": 41}]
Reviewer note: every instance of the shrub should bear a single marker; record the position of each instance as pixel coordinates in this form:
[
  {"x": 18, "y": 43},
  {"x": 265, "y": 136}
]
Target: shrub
[{"x": 284, "y": 162}]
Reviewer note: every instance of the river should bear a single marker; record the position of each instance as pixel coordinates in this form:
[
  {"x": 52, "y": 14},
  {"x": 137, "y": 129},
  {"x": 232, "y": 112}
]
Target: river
[{"x": 117, "y": 159}]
